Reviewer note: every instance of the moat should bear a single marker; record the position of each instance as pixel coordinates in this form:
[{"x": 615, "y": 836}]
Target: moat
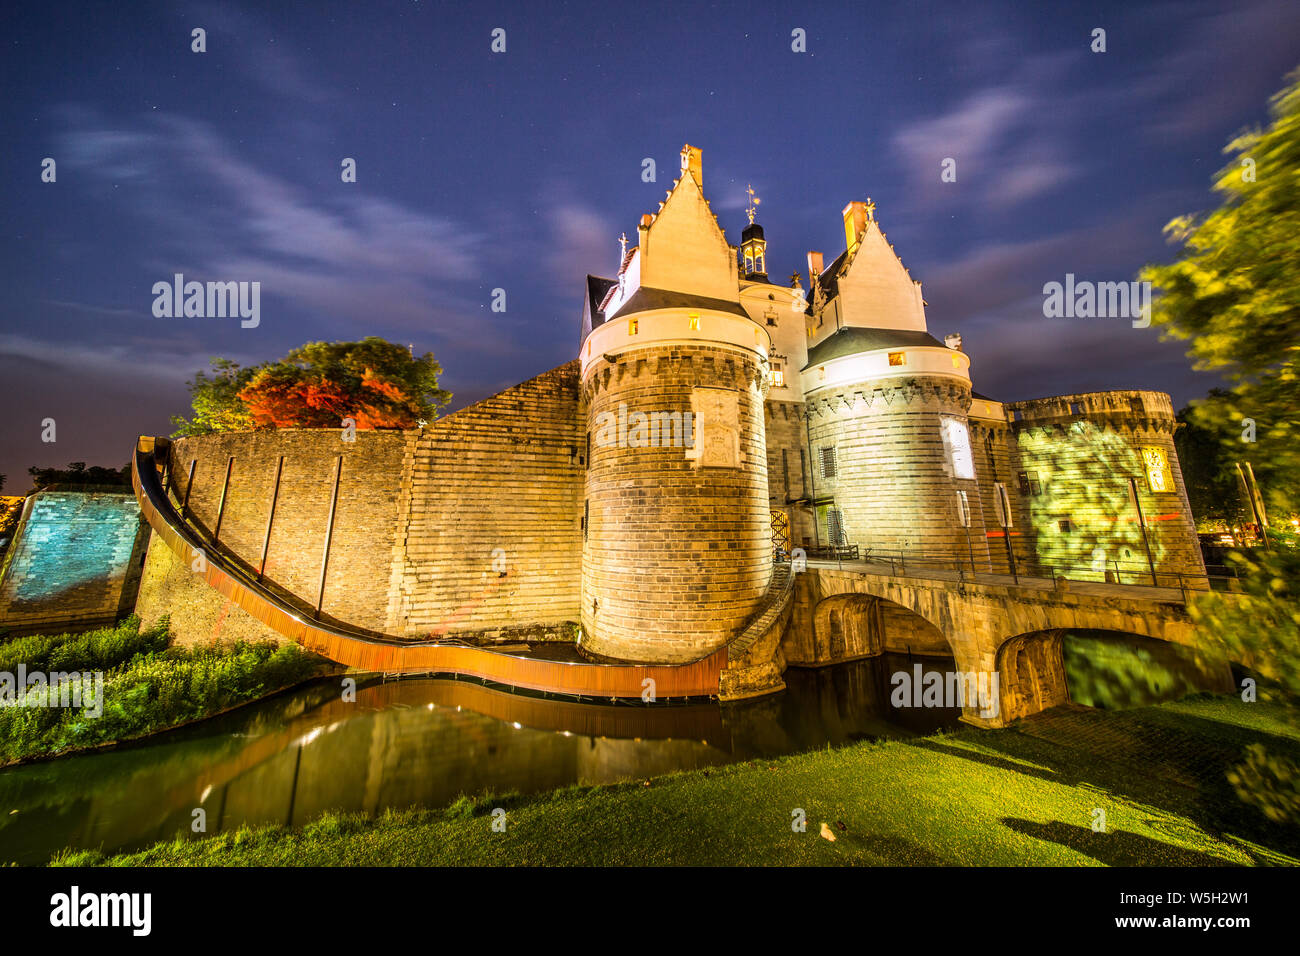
[{"x": 424, "y": 742}]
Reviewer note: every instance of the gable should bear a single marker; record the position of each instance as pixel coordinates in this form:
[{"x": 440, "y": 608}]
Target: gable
[
  {"x": 876, "y": 290},
  {"x": 684, "y": 249}
]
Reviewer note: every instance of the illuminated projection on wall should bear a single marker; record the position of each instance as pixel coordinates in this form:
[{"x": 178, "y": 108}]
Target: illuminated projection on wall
[
  {"x": 956, "y": 445},
  {"x": 1083, "y": 517},
  {"x": 1160, "y": 479}
]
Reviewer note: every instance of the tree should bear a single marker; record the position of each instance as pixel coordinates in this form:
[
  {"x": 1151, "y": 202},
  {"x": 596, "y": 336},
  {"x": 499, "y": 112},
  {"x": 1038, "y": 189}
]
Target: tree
[
  {"x": 1208, "y": 472},
  {"x": 376, "y": 383},
  {"x": 1235, "y": 294},
  {"x": 78, "y": 474},
  {"x": 216, "y": 403}
]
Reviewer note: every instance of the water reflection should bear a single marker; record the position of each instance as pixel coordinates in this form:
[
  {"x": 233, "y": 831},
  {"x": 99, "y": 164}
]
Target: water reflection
[{"x": 423, "y": 743}]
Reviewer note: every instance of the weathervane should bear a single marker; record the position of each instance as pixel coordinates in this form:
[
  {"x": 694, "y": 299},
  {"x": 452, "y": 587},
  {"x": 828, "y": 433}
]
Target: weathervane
[
  {"x": 871, "y": 209},
  {"x": 753, "y": 203},
  {"x": 622, "y": 243}
]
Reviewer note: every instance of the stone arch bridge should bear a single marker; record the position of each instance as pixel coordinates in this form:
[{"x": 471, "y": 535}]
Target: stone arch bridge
[{"x": 989, "y": 623}]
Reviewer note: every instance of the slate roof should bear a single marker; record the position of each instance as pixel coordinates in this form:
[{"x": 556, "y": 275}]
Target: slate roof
[
  {"x": 850, "y": 340},
  {"x": 644, "y": 300},
  {"x": 597, "y": 289}
]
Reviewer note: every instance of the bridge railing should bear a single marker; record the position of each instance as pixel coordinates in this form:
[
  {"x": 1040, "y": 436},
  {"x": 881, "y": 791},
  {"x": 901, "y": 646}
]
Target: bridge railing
[{"x": 997, "y": 566}]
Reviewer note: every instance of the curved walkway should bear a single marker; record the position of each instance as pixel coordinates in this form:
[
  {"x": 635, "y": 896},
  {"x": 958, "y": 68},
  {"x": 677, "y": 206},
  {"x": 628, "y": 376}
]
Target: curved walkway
[{"x": 385, "y": 654}]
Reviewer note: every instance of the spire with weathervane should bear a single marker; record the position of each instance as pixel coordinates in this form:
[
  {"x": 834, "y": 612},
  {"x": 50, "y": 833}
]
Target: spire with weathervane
[{"x": 753, "y": 247}]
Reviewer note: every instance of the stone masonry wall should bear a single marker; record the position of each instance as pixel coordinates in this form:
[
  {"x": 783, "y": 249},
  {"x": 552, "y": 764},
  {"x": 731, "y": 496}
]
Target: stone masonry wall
[
  {"x": 361, "y": 546},
  {"x": 1083, "y": 449},
  {"x": 74, "y": 563},
  {"x": 676, "y": 557},
  {"x": 787, "y": 468},
  {"x": 892, "y": 484},
  {"x": 490, "y": 518}
]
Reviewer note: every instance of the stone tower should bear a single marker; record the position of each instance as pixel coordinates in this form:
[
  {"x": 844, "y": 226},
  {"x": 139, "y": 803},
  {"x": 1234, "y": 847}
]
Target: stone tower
[
  {"x": 676, "y": 550},
  {"x": 893, "y": 469}
]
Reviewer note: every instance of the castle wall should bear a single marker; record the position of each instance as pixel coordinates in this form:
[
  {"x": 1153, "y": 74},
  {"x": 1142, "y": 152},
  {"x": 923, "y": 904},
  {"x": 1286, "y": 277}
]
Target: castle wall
[
  {"x": 361, "y": 545},
  {"x": 1082, "y": 449},
  {"x": 489, "y": 525},
  {"x": 997, "y": 460},
  {"x": 892, "y": 481},
  {"x": 676, "y": 557},
  {"x": 74, "y": 562},
  {"x": 198, "y": 615},
  {"x": 787, "y": 468}
]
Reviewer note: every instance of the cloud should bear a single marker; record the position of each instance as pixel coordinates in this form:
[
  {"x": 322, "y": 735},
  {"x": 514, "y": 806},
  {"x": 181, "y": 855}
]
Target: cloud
[
  {"x": 345, "y": 253},
  {"x": 1001, "y": 138}
]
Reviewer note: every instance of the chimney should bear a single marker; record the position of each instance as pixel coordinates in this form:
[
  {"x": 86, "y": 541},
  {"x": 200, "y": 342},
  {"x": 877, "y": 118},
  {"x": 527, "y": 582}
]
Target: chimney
[
  {"x": 953, "y": 340},
  {"x": 855, "y": 224},
  {"x": 814, "y": 265},
  {"x": 691, "y": 160}
]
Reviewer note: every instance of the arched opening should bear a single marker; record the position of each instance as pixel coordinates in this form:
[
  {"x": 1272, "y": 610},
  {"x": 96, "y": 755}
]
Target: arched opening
[
  {"x": 1112, "y": 670},
  {"x": 1099, "y": 668},
  {"x": 1031, "y": 674}
]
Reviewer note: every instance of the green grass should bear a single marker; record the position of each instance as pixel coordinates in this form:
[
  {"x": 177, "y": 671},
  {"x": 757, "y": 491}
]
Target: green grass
[
  {"x": 1020, "y": 796},
  {"x": 148, "y": 686}
]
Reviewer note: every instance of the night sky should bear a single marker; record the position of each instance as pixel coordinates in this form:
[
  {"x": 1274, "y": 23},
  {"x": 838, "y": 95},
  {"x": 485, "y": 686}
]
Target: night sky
[{"x": 519, "y": 170}]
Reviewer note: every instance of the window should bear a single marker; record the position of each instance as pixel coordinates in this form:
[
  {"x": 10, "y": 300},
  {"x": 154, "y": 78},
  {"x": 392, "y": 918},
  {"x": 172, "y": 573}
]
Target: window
[
  {"x": 835, "y": 535},
  {"x": 1028, "y": 481},
  {"x": 830, "y": 466},
  {"x": 956, "y": 445},
  {"x": 956, "y": 363},
  {"x": 778, "y": 376},
  {"x": 694, "y": 320},
  {"x": 821, "y": 373},
  {"x": 1064, "y": 524},
  {"x": 1159, "y": 476},
  {"x": 586, "y": 515},
  {"x": 1002, "y": 504},
  {"x": 632, "y": 326},
  {"x": 963, "y": 509},
  {"x": 1076, "y": 408},
  {"x": 897, "y": 358}
]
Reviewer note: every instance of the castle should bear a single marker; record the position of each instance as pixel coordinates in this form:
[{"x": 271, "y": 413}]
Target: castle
[{"x": 756, "y": 422}]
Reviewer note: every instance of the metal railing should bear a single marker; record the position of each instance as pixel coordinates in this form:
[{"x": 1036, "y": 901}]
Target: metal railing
[{"x": 996, "y": 568}]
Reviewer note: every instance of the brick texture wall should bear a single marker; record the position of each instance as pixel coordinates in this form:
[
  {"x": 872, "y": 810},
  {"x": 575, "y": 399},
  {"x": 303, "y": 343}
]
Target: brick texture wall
[
  {"x": 1082, "y": 449},
  {"x": 496, "y": 487},
  {"x": 787, "y": 468},
  {"x": 676, "y": 557},
  {"x": 891, "y": 483},
  {"x": 361, "y": 546},
  {"x": 75, "y": 561}
]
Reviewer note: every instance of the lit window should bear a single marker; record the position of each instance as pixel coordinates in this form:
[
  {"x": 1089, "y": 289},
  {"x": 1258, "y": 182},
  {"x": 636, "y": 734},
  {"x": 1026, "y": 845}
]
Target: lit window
[
  {"x": 778, "y": 376},
  {"x": 956, "y": 445},
  {"x": 695, "y": 321},
  {"x": 1159, "y": 477},
  {"x": 632, "y": 326},
  {"x": 956, "y": 363},
  {"x": 821, "y": 372},
  {"x": 897, "y": 358}
]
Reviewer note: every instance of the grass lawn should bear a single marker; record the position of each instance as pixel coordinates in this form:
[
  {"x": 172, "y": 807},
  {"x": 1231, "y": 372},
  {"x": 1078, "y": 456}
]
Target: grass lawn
[{"x": 1026, "y": 795}]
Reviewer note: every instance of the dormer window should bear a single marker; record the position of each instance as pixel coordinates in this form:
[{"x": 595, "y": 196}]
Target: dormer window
[
  {"x": 694, "y": 321},
  {"x": 897, "y": 358},
  {"x": 777, "y": 375},
  {"x": 632, "y": 326}
]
